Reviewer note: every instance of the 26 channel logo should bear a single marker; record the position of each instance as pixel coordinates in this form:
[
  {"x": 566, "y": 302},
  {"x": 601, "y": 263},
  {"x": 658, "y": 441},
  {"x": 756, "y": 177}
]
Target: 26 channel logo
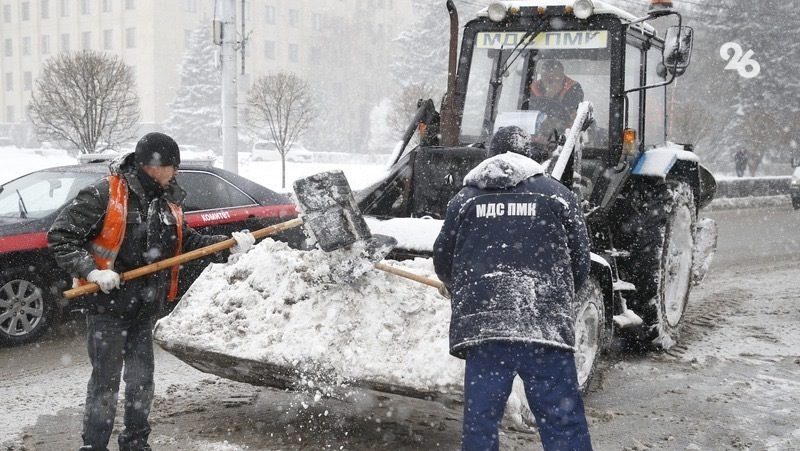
[{"x": 739, "y": 60}]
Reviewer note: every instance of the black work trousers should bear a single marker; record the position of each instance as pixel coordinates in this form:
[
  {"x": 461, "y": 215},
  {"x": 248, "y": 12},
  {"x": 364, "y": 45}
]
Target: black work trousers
[{"x": 113, "y": 343}]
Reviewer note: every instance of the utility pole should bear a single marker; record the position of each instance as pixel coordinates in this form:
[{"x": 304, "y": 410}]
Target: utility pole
[{"x": 230, "y": 133}]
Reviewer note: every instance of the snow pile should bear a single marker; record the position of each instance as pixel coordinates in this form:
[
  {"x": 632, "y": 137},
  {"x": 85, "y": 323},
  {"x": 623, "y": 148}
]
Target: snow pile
[{"x": 282, "y": 306}]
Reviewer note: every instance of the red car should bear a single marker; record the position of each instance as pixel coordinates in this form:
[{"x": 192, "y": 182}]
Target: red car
[{"x": 217, "y": 202}]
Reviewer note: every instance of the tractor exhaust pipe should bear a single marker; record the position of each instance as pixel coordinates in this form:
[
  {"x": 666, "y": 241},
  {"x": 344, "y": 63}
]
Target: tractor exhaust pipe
[{"x": 449, "y": 121}]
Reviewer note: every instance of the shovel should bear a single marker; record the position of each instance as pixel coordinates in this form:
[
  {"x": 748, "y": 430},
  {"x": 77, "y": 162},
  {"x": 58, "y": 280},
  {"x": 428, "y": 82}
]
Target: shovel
[
  {"x": 333, "y": 231},
  {"x": 330, "y": 214}
]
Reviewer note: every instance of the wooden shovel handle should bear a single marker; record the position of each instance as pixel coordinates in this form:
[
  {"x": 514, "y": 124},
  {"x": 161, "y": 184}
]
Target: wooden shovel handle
[
  {"x": 183, "y": 258},
  {"x": 408, "y": 275}
]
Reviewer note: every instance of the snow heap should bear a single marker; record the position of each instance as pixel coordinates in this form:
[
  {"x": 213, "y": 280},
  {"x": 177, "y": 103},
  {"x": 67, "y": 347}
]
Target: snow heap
[{"x": 285, "y": 307}]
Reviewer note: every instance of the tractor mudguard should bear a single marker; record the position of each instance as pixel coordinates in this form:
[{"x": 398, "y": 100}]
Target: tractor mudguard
[{"x": 674, "y": 161}]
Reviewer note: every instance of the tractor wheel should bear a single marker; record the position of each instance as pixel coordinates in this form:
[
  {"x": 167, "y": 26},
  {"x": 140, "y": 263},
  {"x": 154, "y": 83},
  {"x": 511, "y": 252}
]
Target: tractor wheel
[
  {"x": 660, "y": 237},
  {"x": 26, "y": 312},
  {"x": 590, "y": 331}
]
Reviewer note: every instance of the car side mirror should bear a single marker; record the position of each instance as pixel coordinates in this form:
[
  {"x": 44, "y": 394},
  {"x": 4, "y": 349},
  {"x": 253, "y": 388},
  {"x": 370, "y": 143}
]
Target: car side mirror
[{"x": 678, "y": 49}]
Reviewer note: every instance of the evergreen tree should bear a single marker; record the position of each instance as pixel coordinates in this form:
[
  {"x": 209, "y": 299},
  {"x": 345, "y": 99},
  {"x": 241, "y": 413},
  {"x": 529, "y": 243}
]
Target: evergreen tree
[{"x": 197, "y": 111}]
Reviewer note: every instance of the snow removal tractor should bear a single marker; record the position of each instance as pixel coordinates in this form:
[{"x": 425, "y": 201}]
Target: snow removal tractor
[{"x": 640, "y": 193}]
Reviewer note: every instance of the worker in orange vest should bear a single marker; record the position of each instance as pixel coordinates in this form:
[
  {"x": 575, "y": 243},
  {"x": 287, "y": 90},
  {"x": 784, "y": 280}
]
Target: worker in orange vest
[
  {"x": 553, "y": 84},
  {"x": 129, "y": 219}
]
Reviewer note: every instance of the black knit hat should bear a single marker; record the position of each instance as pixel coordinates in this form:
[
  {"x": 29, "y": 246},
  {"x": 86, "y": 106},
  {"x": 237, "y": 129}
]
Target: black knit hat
[
  {"x": 510, "y": 139},
  {"x": 157, "y": 149}
]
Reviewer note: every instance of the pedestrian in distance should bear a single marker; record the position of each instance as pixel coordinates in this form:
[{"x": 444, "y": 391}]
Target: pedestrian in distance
[
  {"x": 124, "y": 221},
  {"x": 511, "y": 253}
]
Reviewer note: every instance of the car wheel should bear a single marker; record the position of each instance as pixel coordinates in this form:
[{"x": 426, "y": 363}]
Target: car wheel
[
  {"x": 25, "y": 310},
  {"x": 660, "y": 264},
  {"x": 590, "y": 331},
  {"x": 796, "y": 202}
]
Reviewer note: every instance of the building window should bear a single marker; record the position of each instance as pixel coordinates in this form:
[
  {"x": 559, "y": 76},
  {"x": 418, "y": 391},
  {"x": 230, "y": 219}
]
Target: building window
[
  {"x": 190, "y": 6},
  {"x": 45, "y": 47},
  {"x": 64, "y": 8},
  {"x": 130, "y": 38},
  {"x": 44, "y": 7},
  {"x": 130, "y": 4},
  {"x": 65, "y": 42},
  {"x": 294, "y": 17},
  {"x": 86, "y": 40},
  {"x": 294, "y": 53},
  {"x": 10, "y": 114},
  {"x": 85, "y": 10},
  {"x": 9, "y": 82},
  {"x": 6, "y": 13},
  {"x": 315, "y": 55},
  {"x": 106, "y": 6},
  {"x": 269, "y": 50},
  {"x": 25, "y": 11},
  {"x": 269, "y": 16},
  {"x": 108, "y": 39},
  {"x": 26, "y": 46},
  {"x": 27, "y": 81},
  {"x": 8, "y": 47},
  {"x": 316, "y": 21}
]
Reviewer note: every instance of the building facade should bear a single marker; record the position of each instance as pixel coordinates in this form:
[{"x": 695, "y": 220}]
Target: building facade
[{"x": 335, "y": 43}]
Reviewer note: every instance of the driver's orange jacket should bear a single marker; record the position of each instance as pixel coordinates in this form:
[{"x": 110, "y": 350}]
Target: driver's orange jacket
[{"x": 538, "y": 91}]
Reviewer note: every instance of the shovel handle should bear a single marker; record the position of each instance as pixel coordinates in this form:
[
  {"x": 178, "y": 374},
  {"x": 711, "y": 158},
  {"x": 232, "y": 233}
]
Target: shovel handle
[
  {"x": 409, "y": 275},
  {"x": 90, "y": 288}
]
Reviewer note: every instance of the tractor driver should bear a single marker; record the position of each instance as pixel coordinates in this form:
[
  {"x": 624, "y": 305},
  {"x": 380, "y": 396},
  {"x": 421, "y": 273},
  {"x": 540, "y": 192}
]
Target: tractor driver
[{"x": 554, "y": 86}]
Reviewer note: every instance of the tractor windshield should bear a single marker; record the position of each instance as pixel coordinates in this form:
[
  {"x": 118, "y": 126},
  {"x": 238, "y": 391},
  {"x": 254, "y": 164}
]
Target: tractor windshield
[{"x": 536, "y": 80}]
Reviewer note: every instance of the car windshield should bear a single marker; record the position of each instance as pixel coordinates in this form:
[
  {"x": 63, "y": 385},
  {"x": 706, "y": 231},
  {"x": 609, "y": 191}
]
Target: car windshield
[
  {"x": 38, "y": 194},
  {"x": 509, "y": 70}
]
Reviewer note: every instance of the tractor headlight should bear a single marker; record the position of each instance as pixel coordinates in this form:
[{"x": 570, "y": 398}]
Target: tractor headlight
[
  {"x": 583, "y": 9},
  {"x": 497, "y": 11}
]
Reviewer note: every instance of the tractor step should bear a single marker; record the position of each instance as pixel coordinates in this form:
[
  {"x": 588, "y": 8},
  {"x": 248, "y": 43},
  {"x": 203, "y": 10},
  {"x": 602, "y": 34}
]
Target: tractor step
[
  {"x": 626, "y": 319},
  {"x": 621, "y": 285}
]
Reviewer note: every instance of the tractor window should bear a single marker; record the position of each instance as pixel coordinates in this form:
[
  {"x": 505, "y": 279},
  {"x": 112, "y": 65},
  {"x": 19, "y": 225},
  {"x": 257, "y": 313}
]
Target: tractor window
[
  {"x": 502, "y": 86},
  {"x": 654, "y": 117},
  {"x": 633, "y": 64}
]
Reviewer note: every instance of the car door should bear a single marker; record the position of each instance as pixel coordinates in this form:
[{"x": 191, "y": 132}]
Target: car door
[{"x": 215, "y": 206}]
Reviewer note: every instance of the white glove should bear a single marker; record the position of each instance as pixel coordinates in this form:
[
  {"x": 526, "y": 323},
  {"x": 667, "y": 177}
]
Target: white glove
[
  {"x": 105, "y": 278},
  {"x": 244, "y": 241}
]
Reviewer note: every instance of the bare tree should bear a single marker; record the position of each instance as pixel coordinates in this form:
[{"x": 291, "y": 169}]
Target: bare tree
[
  {"x": 84, "y": 99},
  {"x": 280, "y": 104}
]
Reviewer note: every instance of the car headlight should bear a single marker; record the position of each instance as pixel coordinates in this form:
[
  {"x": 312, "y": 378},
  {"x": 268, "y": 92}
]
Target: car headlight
[
  {"x": 583, "y": 9},
  {"x": 795, "y": 182},
  {"x": 497, "y": 11}
]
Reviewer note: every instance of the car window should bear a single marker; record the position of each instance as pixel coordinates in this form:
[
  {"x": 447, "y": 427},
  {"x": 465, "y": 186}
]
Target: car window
[
  {"x": 38, "y": 194},
  {"x": 266, "y": 146},
  {"x": 207, "y": 191}
]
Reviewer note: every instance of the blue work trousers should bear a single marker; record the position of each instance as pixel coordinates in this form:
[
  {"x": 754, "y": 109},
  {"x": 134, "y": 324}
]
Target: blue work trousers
[
  {"x": 114, "y": 343},
  {"x": 551, "y": 386}
]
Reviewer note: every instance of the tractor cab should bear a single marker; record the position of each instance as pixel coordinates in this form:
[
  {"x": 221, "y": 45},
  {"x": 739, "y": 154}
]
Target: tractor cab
[{"x": 531, "y": 64}]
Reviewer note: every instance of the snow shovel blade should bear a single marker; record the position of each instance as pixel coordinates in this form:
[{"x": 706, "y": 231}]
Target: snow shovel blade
[
  {"x": 330, "y": 214},
  {"x": 368, "y": 253}
]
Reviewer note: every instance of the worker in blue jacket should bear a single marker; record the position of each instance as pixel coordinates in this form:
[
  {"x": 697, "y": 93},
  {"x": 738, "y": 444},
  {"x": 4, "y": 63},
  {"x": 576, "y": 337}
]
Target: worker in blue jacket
[{"x": 512, "y": 252}]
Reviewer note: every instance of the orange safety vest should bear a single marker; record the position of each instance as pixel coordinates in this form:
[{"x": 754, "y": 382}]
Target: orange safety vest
[
  {"x": 536, "y": 88},
  {"x": 105, "y": 247}
]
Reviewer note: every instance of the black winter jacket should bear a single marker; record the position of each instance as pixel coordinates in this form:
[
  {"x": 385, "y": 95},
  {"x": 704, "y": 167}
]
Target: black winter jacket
[
  {"x": 512, "y": 250},
  {"x": 82, "y": 221}
]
